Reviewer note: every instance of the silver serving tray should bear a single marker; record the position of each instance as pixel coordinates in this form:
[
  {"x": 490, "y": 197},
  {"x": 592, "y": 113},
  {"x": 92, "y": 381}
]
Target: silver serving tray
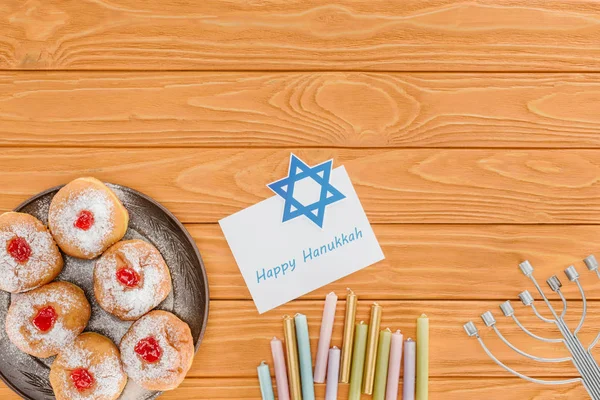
[{"x": 150, "y": 221}]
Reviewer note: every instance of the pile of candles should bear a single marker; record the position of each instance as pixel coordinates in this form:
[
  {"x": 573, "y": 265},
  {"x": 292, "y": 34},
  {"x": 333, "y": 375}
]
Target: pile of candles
[{"x": 369, "y": 358}]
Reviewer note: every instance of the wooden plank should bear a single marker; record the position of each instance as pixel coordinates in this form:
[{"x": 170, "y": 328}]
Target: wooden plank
[
  {"x": 300, "y": 34},
  {"x": 238, "y": 336},
  {"x": 444, "y": 262},
  {"x": 395, "y": 186},
  {"x": 439, "y": 388},
  {"x": 299, "y": 109}
]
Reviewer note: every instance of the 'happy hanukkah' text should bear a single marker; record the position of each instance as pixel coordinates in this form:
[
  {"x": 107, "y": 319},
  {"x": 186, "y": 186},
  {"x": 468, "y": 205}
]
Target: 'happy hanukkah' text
[{"x": 308, "y": 255}]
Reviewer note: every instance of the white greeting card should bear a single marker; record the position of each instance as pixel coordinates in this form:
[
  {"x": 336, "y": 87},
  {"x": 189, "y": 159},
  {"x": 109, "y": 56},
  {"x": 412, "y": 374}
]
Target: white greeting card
[{"x": 312, "y": 232}]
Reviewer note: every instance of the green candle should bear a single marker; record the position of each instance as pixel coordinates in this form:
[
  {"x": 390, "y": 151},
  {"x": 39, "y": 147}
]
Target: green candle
[
  {"x": 381, "y": 368},
  {"x": 358, "y": 360},
  {"x": 422, "y": 357}
]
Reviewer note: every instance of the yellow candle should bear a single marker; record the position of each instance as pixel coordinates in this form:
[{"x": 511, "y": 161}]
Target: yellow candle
[
  {"x": 348, "y": 337},
  {"x": 291, "y": 348},
  {"x": 371, "y": 356},
  {"x": 422, "y": 357}
]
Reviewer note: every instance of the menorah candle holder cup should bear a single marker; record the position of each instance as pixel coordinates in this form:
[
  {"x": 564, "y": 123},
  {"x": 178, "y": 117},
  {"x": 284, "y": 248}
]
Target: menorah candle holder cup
[{"x": 581, "y": 357}]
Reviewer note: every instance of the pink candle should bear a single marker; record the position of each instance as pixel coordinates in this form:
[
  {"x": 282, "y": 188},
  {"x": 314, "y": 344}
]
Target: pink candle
[
  {"x": 283, "y": 391},
  {"x": 393, "y": 378},
  {"x": 325, "y": 337}
]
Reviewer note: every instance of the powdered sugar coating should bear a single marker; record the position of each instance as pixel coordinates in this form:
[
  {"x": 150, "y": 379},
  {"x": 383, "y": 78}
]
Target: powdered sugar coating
[
  {"x": 62, "y": 219},
  {"x": 44, "y": 263},
  {"x": 130, "y": 303},
  {"x": 103, "y": 364},
  {"x": 24, "y": 307},
  {"x": 176, "y": 342}
]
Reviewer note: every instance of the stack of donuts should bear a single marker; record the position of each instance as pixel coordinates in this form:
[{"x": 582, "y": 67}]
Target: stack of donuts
[{"x": 46, "y": 318}]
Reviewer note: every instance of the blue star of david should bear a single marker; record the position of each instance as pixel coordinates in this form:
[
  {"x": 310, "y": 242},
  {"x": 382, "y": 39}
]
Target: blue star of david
[{"x": 320, "y": 174}]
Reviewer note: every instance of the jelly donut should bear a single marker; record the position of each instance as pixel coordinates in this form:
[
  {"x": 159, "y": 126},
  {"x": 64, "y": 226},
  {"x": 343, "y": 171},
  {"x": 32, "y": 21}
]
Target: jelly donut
[
  {"x": 29, "y": 257},
  {"x": 41, "y": 322},
  {"x": 86, "y": 218},
  {"x": 130, "y": 279},
  {"x": 157, "y": 351},
  {"x": 89, "y": 368}
]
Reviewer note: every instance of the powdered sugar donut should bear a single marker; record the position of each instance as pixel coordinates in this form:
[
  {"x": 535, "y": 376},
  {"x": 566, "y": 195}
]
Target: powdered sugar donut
[
  {"x": 86, "y": 217},
  {"x": 157, "y": 351},
  {"x": 41, "y": 322},
  {"x": 88, "y": 369},
  {"x": 130, "y": 279},
  {"x": 29, "y": 257}
]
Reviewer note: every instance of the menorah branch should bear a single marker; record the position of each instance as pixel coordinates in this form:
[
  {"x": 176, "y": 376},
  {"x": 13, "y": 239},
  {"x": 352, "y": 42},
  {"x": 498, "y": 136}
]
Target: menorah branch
[
  {"x": 540, "y": 316},
  {"x": 533, "y": 335},
  {"x": 508, "y": 311},
  {"x": 564, "y": 301},
  {"x": 527, "y": 300},
  {"x": 594, "y": 343},
  {"x": 471, "y": 330},
  {"x": 573, "y": 276},
  {"x": 490, "y": 321}
]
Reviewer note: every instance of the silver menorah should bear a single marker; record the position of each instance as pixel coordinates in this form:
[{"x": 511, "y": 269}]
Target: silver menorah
[{"x": 581, "y": 357}]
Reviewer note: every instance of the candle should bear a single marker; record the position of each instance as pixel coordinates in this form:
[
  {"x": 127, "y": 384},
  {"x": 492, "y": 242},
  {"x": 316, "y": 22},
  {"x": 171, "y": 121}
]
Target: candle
[
  {"x": 283, "y": 391},
  {"x": 358, "y": 360},
  {"x": 292, "y": 357},
  {"x": 371, "y": 356},
  {"x": 325, "y": 337},
  {"x": 304, "y": 357},
  {"x": 348, "y": 337},
  {"x": 422, "y": 357},
  {"x": 394, "y": 366},
  {"x": 408, "y": 384},
  {"x": 381, "y": 367},
  {"x": 264, "y": 379},
  {"x": 333, "y": 369}
]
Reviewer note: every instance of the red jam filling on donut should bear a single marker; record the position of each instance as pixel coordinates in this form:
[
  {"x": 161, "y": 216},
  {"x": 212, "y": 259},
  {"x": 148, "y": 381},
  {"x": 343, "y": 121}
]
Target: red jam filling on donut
[
  {"x": 149, "y": 349},
  {"x": 85, "y": 220},
  {"x": 82, "y": 379},
  {"x": 45, "y": 318},
  {"x": 128, "y": 277},
  {"x": 19, "y": 249}
]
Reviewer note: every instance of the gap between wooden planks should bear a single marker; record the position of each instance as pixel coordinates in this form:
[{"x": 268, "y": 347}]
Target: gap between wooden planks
[
  {"x": 534, "y": 35},
  {"x": 439, "y": 388},
  {"x": 337, "y": 109},
  {"x": 429, "y": 186}
]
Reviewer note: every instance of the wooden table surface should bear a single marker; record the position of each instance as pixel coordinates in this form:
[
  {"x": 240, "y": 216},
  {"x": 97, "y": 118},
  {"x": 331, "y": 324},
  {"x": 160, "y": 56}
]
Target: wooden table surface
[{"x": 469, "y": 129}]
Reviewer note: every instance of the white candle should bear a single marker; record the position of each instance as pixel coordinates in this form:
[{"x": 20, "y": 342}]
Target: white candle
[
  {"x": 410, "y": 357},
  {"x": 393, "y": 377},
  {"x": 325, "y": 337},
  {"x": 283, "y": 391},
  {"x": 333, "y": 370}
]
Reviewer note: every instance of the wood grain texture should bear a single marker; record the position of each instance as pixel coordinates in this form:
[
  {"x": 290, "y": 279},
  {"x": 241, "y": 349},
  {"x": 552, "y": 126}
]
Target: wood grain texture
[
  {"x": 299, "y": 109},
  {"x": 436, "y": 35},
  {"x": 439, "y": 389},
  {"x": 123, "y": 90},
  {"x": 238, "y": 336},
  {"x": 395, "y": 186},
  {"x": 445, "y": 262}
]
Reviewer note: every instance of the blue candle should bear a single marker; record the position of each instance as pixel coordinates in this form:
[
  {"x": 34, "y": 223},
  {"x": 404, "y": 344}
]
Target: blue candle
[
  {"x": 305, "y": 358},
  {"x": 264, "y": 378}
]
